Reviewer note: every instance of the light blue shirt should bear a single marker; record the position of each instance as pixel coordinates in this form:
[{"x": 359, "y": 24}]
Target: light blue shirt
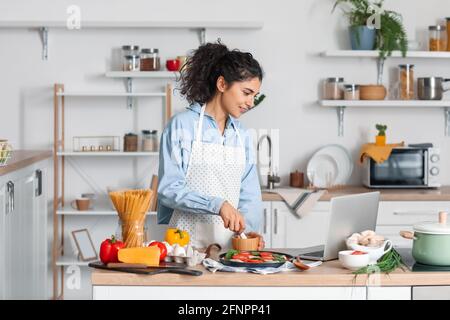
[{"x": 175, "y": 150}]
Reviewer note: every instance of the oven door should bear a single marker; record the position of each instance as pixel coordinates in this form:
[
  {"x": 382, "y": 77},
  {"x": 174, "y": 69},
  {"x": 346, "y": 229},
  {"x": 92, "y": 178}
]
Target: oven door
[{"x": 405, "y": 168}]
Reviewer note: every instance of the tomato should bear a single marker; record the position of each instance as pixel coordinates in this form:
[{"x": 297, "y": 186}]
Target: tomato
[
  {"x": 109, "y": 250},
  {"x": 162, "y": 249},
  {"x": 240, "y": 257},
  {"x": 254, "y": 261},
  {"x": 266, "y": 254},
  {"x": 357, "y": 253},
  {"x": 245, "y": 253}
]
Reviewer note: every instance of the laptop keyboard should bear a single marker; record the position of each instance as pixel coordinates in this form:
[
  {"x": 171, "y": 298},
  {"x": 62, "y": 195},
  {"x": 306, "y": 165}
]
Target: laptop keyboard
[{"x": 318, "y": 254}]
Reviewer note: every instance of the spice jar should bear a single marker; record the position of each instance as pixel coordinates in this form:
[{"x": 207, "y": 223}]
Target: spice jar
[
  {"x": 130, "y": 50},
  {"x": 131, "y": 63},
  {"x": 448, "y": 34},
  {"x": 351, "y": 92},
  {"x": 150, "y": 140},
  {"x": 406, "y": 82},
  {"x": 333, "y": 89},
  {"x": 130, "y": 142},
  {"x": 150, "y": 60},
  {"x": 437, "y": 38}
]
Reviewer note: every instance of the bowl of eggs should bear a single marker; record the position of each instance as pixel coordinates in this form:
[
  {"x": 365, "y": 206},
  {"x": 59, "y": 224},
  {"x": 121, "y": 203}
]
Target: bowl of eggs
[{"x": 368, "y": 241}]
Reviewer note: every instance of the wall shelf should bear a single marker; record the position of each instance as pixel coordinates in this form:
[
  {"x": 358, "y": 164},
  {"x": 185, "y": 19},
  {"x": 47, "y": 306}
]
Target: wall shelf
[
  {"x": 109, "y": 94},
  {"x": 341, "y": 105},
  {"x": 106, "y": 154},
  {"x": 143, "y": 74},
  {"x": 395, "y": 54},
  {"x": 43, "y": 26},
  {"x": 65, "y": 261}
]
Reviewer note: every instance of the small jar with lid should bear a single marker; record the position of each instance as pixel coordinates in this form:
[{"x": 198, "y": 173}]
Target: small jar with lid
[
  {"x": 351, "y": 92},
  {"x": 131, "y": 63},
  {"x": 406, "y": 82},
  {"x": 150, "y": 140},
  {"x": 437, "y": 38},
  {"x": 129, "y": 50},
  {"x": 333, "y": 89},
  {"x": 150, "y": 60}
]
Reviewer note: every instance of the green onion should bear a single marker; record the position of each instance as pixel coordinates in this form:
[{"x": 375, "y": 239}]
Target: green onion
[{"x": 386, "y": 264}]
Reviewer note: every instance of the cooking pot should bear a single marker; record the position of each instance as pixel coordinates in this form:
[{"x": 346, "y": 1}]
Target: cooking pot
[
  {"x": 431, "y": 242},
  {"x": 431, "y": 88}
]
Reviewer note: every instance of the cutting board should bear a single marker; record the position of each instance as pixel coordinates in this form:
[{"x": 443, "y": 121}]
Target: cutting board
[{"x": 164, "y": 268}]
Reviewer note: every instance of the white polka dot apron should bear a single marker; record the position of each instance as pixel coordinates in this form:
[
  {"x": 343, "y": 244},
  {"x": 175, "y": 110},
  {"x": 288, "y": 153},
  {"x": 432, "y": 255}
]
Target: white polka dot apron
[{"x": 213, "y": 170}]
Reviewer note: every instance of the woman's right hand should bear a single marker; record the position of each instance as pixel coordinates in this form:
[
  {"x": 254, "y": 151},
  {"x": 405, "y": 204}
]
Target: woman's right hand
[{"x": 232, "y": 219}]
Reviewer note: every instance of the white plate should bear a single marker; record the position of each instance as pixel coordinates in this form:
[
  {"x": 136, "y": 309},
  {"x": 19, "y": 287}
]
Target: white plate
[
  {"x": 322, "y": 170},
  {"x": 343, "y": 160}
]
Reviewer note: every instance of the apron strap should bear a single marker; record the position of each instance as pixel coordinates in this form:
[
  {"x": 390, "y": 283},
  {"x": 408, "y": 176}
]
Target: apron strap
[{"x": 200, "y": 127}]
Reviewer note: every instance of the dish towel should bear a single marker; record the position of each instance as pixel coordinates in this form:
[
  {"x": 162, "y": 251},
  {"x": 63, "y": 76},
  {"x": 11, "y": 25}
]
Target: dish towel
[
  {"x": 300, "y": 201},
  {"x": 377, "y": 153},
  {"x": 213, "y": 266}
]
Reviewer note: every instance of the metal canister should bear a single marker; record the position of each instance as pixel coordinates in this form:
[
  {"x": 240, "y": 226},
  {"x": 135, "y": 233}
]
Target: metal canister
[{"x": 431, "y": 88}]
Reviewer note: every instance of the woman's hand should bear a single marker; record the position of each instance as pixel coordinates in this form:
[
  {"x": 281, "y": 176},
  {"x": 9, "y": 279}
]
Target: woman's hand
[
  {"x": 261, "y": 243},
  {"x": 232, "y": 219}
]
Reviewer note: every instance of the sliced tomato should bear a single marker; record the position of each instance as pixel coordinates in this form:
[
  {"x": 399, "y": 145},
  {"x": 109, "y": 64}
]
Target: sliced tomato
[
  {"x": 240, "y": 257},
  {"x": 266, "y": 254},
  {"x": 244, "y": 253},
  {"x": 357, "y": 253},
  {"x": 254, "y": 261}
]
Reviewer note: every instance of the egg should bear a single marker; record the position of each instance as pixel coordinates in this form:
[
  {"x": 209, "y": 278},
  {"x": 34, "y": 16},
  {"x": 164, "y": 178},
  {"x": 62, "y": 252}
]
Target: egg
[{"x": 179, "y": 251}]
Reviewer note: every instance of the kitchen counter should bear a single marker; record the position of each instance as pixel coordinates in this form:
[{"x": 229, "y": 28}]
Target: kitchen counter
[
  {"x": 23, "y": 158},
  {"x": 441, "y": 194},
  {"x": 329, "y": 274}
]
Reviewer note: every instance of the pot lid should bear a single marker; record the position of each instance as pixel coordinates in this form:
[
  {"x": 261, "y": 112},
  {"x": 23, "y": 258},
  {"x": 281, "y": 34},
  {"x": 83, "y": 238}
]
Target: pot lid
[{"x": 441, "y": 227}]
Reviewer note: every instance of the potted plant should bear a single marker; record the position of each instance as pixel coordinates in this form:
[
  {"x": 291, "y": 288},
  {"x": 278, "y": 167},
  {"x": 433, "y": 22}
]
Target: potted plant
[
  {"x": 380, "y": 139},
  {"x": 386, "y": 37}
]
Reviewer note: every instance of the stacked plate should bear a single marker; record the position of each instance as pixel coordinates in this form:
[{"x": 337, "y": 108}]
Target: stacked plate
[{"x": 331, "y": 165}]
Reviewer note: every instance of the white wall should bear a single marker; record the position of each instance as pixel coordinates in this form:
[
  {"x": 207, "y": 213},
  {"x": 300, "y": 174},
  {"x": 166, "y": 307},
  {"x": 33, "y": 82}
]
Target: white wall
[{"x": 287, "y": 47}]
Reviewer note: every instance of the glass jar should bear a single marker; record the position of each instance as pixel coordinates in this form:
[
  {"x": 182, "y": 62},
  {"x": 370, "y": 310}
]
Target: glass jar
[
  {"x": 131, "y": 63},
  {"x": 130, "y": 50},
  {"x": 150, "y": 140},
  {"x": 150, "y": 60},
  {"x": 351, "y": 92},
  {"x": 133, "y": 232},
  {"x": 448, "y": 34},
  {"x": 130, "y": 142},
  {"x": 333, "y": 89},
  {"x": 437, "y": 38},
  {"x": 406, "y": 82}
]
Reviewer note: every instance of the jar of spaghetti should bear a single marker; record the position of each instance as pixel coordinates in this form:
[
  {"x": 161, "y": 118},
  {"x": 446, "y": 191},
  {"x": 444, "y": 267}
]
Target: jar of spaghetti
[
  {"x": 406, "y": 82},
  {"x": 437, "y": 38}
]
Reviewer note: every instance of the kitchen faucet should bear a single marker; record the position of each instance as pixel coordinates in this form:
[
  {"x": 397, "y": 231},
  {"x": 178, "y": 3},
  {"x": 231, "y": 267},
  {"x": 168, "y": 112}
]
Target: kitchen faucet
[{"x": 271, "y": 177}]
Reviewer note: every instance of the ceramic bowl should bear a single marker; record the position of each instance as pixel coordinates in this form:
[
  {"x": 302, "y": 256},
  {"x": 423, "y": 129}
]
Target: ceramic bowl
[
  {"x": 375, "y": 253},
  {"x": 353, "y": 262}
]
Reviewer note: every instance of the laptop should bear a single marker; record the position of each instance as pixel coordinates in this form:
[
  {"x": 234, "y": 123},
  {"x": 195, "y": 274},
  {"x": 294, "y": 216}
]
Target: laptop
[{"x": 349, "y": 214}]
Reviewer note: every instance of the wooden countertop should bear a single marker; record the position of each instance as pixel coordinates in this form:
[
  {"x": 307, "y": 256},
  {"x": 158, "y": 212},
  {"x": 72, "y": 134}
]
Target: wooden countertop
[
  {"x": 326, "y": 275},
  {"x": 441, "y": 194},
  {"x": 23, "y": 158}
]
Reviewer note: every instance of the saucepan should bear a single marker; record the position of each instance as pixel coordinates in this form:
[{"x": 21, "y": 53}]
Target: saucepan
[
  {"x": 431, "y": 244},
  {"x": 431, "y": 88}
]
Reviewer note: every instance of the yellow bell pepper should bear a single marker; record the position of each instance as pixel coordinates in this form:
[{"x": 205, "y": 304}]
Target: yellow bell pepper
[{"x": 174, "y": 235}]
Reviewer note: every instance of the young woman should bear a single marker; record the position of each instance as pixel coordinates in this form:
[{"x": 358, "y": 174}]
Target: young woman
[{"x": 208, "y": 181}]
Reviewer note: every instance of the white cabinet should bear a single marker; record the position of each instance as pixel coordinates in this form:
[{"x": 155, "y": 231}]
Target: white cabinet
[
  {"x": 23, "y": 267},
  {"x": 284, "y": 229}
]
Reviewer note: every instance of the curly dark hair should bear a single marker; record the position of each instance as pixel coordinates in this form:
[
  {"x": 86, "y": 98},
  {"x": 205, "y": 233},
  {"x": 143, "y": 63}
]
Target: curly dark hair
[{"x": 210, "y": 61}]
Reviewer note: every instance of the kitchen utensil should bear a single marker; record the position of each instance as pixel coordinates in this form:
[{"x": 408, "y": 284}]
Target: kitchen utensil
[
  {"x": 353, "y": 262},
  {"x": 173, "y": 64},
  {"x": 431, "y": 88},
  {"x": 243, "y": 236},
  {"x": 255, "y": 265},
  {"x": 372, "y": 92},
  {"x": 162, "y": 264},
  {"x": 375, "y": 253},
  {"x": 81, "y": 204},
  {"x": 250, "y": 244},
  {"x": 322, "y": 170},
  {"x": 147, "y": 270},
  {"x": 299, "y": 264},
  {"x": 297, "y": 179},
  {"x": 431, "y": 244},
  {"x": 343, "y": 161}
]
